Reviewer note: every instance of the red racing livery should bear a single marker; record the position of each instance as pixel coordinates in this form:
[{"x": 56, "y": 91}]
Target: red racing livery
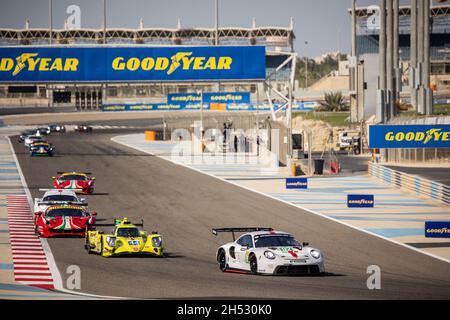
[
  {"x": 63, "y": 220},
  {"x": 79, "y": 182}
]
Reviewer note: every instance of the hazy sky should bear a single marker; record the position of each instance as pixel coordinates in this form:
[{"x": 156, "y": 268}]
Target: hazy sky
[{"x": 325, "y": 24}]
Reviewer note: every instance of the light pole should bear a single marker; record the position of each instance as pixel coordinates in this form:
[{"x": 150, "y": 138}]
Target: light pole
[
  {"x": 50, "y": 19},
  {"x": 104, "y": 43},
  {"x": 306, "y": 68},
  {"x": 216, "y": 25}
]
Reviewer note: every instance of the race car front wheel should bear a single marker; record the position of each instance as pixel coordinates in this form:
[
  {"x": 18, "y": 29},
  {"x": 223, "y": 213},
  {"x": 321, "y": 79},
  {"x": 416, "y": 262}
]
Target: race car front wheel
[
  {"x": 222, "y": 259},
  {"x": 253, "y": 265}
]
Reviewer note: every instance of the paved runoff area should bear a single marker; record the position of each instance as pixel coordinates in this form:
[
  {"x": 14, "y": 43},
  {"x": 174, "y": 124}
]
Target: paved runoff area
[{"x": 396, "y": 216}]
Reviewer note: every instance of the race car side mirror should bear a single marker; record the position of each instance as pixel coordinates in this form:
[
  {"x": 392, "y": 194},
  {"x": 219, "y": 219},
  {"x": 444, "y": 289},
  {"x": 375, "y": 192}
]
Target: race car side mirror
[
  {"x": 53, "y": 178},
  {"x": 305, "y": 244},
  {"x": 143, "y": 233},
  {"x": 93, "y": 178},
  {"x": 94, "y": 213},
  {"x": 37, "y": 213}
]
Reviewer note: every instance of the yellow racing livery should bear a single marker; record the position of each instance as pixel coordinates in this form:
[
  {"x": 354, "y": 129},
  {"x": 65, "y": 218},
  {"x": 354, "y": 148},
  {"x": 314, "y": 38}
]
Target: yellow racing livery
[{"x": 125, "y": 239}]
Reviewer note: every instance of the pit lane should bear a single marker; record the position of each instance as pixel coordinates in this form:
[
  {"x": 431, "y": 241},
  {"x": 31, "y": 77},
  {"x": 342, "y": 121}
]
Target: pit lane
[{"x": 184, "y": 205}]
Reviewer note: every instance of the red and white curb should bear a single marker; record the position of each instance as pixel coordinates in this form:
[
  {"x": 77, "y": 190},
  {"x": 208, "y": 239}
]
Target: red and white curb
[{"x": 30, "y": 263}]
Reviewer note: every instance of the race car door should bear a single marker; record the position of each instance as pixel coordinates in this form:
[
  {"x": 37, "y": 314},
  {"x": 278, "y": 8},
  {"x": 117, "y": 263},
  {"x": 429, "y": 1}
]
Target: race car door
[{"x": 242, "y": 249}]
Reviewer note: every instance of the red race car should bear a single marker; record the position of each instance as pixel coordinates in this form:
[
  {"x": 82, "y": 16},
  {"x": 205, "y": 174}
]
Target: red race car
[
  {"x": 67, "y": 220},
  {"x": 79, "y": 182}
]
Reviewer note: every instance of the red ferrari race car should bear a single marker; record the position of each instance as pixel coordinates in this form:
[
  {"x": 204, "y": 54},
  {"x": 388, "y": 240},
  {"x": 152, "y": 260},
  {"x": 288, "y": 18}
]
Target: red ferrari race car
[
  {"x": 59, "y": 220},
  {"x": 79, "y": 182}
]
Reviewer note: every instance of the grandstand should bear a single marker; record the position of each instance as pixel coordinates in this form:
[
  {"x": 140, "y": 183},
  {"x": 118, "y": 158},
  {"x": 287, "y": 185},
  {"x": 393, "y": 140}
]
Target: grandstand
[{"x": 278, "y": 42}]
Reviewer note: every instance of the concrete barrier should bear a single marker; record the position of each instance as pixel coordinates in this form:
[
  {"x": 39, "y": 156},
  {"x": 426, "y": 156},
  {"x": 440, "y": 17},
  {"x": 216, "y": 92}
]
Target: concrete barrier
[{"x": 427, "y": 188}]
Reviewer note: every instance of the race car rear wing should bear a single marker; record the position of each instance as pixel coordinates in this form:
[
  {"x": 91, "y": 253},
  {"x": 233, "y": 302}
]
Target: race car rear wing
[
  {"x": 215, "y": 231},
  {"x": 116, "y": 222},
  {"x": 72, "y": 203},
  {"x": 62, "y": 172}
]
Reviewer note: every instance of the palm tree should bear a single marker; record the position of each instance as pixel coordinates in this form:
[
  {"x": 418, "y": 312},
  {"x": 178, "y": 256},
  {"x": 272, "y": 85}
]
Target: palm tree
[{"x": 334, "y": 101}]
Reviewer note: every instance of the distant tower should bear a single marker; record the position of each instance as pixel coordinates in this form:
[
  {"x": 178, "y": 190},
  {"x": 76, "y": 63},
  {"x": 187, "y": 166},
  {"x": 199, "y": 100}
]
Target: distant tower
[
  {"x": 179, "y": 23},
  {"x": 141, "y": 24},
  {"x": 27, "y": 24}
]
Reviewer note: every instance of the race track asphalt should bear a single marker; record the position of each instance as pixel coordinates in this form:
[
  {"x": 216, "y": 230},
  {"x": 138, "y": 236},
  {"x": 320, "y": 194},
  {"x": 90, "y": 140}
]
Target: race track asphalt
[{"x": 183, "y": 205}]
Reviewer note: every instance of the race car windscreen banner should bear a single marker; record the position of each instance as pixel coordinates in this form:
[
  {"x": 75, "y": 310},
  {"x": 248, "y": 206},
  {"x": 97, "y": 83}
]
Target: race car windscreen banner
[
  {"x": 409, "y": 136},
  {"x": 131, "y": 64}
]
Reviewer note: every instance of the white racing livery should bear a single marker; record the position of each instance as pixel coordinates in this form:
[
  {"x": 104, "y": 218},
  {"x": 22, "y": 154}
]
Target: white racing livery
[
  {"x": 57, "y": 196},
  {"x": 266, "y": 251}
]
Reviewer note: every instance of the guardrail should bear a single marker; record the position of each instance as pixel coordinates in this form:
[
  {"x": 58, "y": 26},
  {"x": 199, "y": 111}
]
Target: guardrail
[{"x": 418, "y": 185}]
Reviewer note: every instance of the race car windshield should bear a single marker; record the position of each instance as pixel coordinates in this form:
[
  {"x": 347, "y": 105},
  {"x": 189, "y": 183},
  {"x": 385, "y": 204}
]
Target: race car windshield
[
  {"x": 72, "y": 177},
  {"x": 275, "y": 241},
  {"x": 60, "y": 197},
  {"x": 128, "y": 232},
  {"x": 66, "y": 212}
]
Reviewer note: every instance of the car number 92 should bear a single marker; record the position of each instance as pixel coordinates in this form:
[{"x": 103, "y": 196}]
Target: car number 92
[{"x": 133, "y": 242}]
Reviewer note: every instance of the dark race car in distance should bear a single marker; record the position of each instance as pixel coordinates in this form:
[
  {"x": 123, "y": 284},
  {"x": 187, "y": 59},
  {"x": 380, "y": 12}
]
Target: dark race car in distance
[
  {"x": 55, "y": 127},
  {"x": 25, "y": 134},
  {"x": 83, "y": 128}
]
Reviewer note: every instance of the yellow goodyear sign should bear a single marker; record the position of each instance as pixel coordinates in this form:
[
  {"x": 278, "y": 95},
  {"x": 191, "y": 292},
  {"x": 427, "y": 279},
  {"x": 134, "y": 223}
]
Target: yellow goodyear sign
[
  {"x": 72, "y": 64},
  {"x": 409, "y": 136}
]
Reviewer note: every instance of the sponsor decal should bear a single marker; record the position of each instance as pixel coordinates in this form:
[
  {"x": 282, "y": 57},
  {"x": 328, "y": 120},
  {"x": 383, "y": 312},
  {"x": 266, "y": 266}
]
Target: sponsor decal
[
  {"x": 360, "y": 201},
  {"x": 437, "y": 229},
  {"x": 409, "y": 136},
  {"x": 296, "y": 183}
]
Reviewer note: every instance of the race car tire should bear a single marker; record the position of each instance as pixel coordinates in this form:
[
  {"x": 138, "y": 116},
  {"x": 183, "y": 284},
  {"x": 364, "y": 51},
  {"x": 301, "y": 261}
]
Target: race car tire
[
  {"x": 101, "y": 246},
  {"x": 253, "y": 265},
  {"x": 222, "y": 260},
  {"x": 87, "y": 246}
]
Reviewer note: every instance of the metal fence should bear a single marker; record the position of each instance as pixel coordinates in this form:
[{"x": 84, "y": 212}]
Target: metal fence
[
  {"x": 212, "y": 120},
  {"x": 427, "y": 188}
]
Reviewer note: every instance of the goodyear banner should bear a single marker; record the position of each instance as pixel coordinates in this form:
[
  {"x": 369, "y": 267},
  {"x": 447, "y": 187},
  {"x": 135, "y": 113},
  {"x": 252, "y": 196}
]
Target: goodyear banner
[
  {"x": 409, "y": 136},
  {"x": 437, "y": 229},
  {"x": 296, "y": 183},
  {"x": 131, "y": 64},
  {"x": 360, "y": 201},
  {"x": 196, "y": 106},
  {"x": 209, "y": 97}
]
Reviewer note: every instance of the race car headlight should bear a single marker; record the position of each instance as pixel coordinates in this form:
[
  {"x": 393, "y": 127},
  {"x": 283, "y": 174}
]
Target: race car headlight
[
  {"x": 315, "y": 254},
  {"x": 269, "y": 255},
  {"x": 156, "y": 241},
  {"x": 111, "y": 241}
]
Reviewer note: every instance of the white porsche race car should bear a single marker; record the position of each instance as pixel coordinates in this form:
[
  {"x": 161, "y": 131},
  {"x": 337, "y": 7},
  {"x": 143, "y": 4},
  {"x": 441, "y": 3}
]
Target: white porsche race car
[
  {"x": 57, "y": 196},
  {"x": 266, "y": 251}
]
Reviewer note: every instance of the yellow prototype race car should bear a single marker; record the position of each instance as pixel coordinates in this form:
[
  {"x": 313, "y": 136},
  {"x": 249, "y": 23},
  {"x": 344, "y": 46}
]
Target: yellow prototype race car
[{"x": 125, "y": 239}]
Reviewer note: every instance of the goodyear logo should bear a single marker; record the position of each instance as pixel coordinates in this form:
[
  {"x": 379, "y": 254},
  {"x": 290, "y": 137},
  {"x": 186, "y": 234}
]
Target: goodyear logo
[
  {"x": 180, "y": 60},
  {"x": 33, "y": 62},
  {"x": 437, "y": 229},
  {"x": 361, "y": 201},
  {"x": 433, "y": 135}
]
